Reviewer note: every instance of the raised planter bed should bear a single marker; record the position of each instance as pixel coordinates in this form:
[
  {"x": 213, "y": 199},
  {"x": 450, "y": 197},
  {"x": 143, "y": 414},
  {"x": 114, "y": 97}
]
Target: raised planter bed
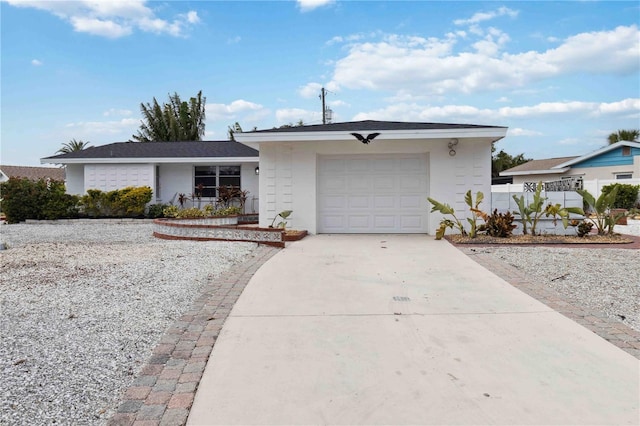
[{"x": 215, "y": 229}]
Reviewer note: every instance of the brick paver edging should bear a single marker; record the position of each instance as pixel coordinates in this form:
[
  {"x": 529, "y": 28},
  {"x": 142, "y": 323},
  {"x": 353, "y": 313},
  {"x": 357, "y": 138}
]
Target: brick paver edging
[
  {"x": 164, "y": 391},
  {"x": 609, "y": 329}
]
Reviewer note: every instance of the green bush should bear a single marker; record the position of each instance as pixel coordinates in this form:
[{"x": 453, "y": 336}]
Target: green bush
[
  {"x": 626, "y": 197},
  {"x": 42, "y": 199},
  {"x": 125, "y": 202},
  {"x": 155, "y": 211}
]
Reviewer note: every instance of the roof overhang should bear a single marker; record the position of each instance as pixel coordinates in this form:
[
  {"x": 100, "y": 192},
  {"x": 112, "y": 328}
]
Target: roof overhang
[
  {"x": 253, "y": 139},
  {"x": 159, "y": 160},
  {"x": 598, "y": 152},
  {"x": 536, "y": 172}
]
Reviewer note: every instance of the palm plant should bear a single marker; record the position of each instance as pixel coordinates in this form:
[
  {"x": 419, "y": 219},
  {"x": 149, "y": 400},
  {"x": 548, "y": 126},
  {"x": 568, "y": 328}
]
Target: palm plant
[
  {"x": 624, "y": 135},
  {"x": 73, "y": 146},
  {"x": 173, "y": 121}
]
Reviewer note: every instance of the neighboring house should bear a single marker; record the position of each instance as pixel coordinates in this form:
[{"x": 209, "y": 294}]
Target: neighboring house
[
  {"x": 169, "y": 168},
  {"x": 620, "y": 160},
  {"x": 32, "y": 173},
  {"x": 334, "y": 183}
]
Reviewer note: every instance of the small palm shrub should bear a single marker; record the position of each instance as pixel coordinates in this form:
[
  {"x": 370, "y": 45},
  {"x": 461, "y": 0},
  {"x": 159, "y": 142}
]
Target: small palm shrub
[{"x": 584, "y": 228}]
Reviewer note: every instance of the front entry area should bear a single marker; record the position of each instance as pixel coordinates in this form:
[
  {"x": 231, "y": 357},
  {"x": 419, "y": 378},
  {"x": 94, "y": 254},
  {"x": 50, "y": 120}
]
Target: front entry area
[{"x": 378, "y": 193}]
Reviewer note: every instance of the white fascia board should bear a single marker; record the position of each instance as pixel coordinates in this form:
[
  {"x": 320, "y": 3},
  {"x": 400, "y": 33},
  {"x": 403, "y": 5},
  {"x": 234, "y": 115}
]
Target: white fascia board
[
  {"x": 536, "y": 172},
  {"x": 598, "y": 152},
  {"x": 256, "y": 138},
  {"x": 162, "y": 160}
]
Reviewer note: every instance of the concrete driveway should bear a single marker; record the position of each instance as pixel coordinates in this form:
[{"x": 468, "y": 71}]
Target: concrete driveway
[{"x": 396, "y": 329}]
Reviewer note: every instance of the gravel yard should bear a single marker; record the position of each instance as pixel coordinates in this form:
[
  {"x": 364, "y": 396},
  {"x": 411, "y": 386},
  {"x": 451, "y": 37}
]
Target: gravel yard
[
  {"x": 81, "y": 308},
  {"x": 605, "y": 280}
]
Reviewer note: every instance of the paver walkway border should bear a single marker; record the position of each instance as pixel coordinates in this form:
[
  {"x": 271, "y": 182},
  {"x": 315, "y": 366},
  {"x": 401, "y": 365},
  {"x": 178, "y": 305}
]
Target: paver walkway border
[
  {"x": 164, "y": 391},
  {"x": 609, "y": 329}
]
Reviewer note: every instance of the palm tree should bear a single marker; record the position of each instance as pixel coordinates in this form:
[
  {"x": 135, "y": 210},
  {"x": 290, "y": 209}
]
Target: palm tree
[
  {"x": 173, "y": 121},
  {"x": 73, "y": 146},
  {"x": 624, "y": 135}
]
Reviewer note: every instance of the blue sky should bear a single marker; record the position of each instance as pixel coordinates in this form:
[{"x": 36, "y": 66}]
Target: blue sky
[{"x": 561, "y": 76}]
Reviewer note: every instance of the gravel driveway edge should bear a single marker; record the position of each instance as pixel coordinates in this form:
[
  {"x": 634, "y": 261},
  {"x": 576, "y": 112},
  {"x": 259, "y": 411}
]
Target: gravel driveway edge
[{"x": 166, "y": 387}]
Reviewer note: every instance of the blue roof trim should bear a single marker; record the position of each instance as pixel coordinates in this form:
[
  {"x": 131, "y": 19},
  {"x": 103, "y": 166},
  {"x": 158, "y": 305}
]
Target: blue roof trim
[{"x": 610, "y": 158}]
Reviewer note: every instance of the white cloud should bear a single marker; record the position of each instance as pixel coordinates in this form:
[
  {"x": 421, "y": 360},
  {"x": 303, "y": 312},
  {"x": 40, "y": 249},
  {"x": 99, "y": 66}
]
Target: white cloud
[
  {"x": 517, "y": 131},
  {"x": 429, "y": 66},
  {"x": 113, "y": 19},
  {"x": 310, "y": 90},
  {"x": 232, "y": 110},
  {"x": 117, "y": 112},
  {"x": 293, "y": 115},
  {"x": 468, "y": 113},
  {"x": 485, "y": 16},
  {"x": 338, "y": 103},
  {"x": 99, "y": 27},
  {"x": 503, "y": 99},
  {"x": 36, "y": 62},
  {"x": 308, "y": 5},
  {"x": 569, "y": 141},
  {"x": 234, "y": 40},
  {"x": 88, "y": 129}
]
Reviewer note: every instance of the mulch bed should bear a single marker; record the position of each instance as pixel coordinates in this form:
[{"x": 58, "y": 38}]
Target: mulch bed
[{"x": 592, "y": 240}]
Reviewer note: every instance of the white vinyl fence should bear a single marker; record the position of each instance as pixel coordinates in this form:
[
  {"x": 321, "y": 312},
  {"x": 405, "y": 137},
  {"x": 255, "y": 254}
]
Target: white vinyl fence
[
  {"x": 502, "y": 199},
  {"x": 593, "y": 186}
]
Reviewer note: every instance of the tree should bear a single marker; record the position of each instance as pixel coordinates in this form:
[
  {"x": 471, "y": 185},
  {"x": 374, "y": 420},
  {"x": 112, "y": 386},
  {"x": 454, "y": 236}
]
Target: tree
[
  {"x": 624, "y": 135},
  {"x": 232, "y": 130},
  {"x": 175, "y": 120},
  {"x": 73, "y": 146},
  {"x": 503, "y": 161}
]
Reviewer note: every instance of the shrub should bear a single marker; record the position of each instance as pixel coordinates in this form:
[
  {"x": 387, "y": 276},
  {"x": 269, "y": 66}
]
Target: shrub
[
  {"x": 42, "y": 199},
  {"x": 498, "y": 224},
  {"x": 155, "y": 211},
  {"x": 125, "y": 202},
  {"x": 584, "y": 228},
  {"x": 626, "y": 197}
]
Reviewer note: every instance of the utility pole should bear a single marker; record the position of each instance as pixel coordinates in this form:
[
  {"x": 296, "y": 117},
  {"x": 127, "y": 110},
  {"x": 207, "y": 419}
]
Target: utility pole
[
  {"x": 323, "y": 92},
  {"x": 326, "y": 111}
]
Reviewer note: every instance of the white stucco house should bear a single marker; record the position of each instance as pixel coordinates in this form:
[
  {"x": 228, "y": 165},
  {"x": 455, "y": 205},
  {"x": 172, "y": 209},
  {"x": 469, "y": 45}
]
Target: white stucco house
[
  {"x": 335, "y": 183},
  {"x": 169, "y": 168},
  {"x": 618, "y": 161}
]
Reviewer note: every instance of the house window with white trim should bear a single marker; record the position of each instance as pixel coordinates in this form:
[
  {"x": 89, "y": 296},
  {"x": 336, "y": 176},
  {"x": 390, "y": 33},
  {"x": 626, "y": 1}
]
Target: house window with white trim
[
  {"x": 209, "y": 178},
  {"x": 623, "y": 176}
]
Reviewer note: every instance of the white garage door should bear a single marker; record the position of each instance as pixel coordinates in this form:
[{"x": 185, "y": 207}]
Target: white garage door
[{"x": 372, "y": 194}]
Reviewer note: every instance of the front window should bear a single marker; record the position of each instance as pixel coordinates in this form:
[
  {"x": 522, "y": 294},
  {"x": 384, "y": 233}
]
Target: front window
[
  {"x": 624, "y": 175},
  {"x": 209, "y": 178}
]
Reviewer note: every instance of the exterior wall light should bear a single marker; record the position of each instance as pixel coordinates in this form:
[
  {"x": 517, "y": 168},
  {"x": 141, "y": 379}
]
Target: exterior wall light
[
  {"x": 452, "y": 147},
  {"x": 257, "y": 170}
]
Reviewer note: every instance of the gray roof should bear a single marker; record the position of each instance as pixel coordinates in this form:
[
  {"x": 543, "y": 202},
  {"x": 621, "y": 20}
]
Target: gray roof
[
  {"x": 367, "y": 125},
  {"x": 33, "y": 173},
  {"x": 537, "y": 165},
  {"x": 195, "y": 149}
]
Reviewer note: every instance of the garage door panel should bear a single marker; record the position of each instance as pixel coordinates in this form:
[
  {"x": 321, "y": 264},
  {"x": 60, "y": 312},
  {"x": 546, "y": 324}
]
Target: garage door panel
[
  {"x": 385, "y": 222},
  {"x": 357, "y": 183},
  {"x": 332, "y": 165},
  {"x": 333, "y": 222},
  {"x": 411, "y": 201},
  {"x": 383, "y": 165},
  {"x": 384, "y": 183},
  {"x": 359, "y": 202},
  {"x": 359, "y": 222},
  {"x": 356, "y": 166},
  {"x": 334, "y": 202},
  {"x": 331, "y": 183},
  {"x": 384, "y": 202},
  {"x": 411, "y": 222},
  {"x": 411, "y": 164},
  {"x": 383, "y": 193},
  {"x": 410, "y": 183}
]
